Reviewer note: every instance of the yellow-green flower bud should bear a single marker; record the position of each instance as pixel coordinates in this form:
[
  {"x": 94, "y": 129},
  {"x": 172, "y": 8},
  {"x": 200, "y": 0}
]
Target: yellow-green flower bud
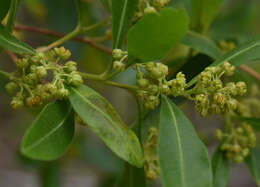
[
  {"x": 118, "y": 54},
  {"x": 218, "y": 134},
  {"x": 119, "y": 66},
  {"x": 17, "y": 103},
  {"x": 143, "y": 83},
  {"x": 228, "y": 68},
  {"x": 41, "y": 72},
  {"x": 71, "y": 66},
  {"x": 11, "y": 87},
  {"x": 150, "y": 10},
  {"x": 241, "y": 88}
]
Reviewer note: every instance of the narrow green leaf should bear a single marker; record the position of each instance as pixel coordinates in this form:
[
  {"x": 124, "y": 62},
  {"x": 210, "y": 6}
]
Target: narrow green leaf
[
  {"x": 203, "y": 13},
  {"x": 83, "y": 13},
  {"x": 155, "y": 34},
  {"x": 255, "y": 122},
  {"x": 183, "y": 158},
  {"x": 202, "y": 44},
  {"x": 243, "y": 54},
  {"x": 51, "y": 133},
  {"x": 253, "y": 164},
  {"x": 104, "y": 121},
  {"x": 220, "y": 167},
  {"x": 4, "y": 7},
  {"x": 122, "y": 15},
  {"x": 11, "y": 43},
  {"x": 12, "y": 15}
]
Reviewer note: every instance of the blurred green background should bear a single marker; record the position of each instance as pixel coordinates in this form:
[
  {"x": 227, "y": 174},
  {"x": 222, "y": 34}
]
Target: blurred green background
[{"x": 88, "y": 162}]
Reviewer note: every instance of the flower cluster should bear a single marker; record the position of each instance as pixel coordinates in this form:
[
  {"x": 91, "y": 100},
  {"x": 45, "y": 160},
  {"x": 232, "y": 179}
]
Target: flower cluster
[
  {"x": 144, "y": 7},
  {"x": 237, "y": 142},
  {"x": 119, "y": 56},
  {"x": 212, "y": 95},
  {"x": 40, "y": 78},
  {"x": 151, "y": 166}
]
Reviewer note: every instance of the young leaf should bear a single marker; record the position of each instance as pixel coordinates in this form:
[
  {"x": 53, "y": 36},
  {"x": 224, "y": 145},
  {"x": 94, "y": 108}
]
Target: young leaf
[
  {"x": 242, "y": 54},
  {"x": 9, "y": 42},
  {"x": 255, "y": 122},
  {"x": 253, "y": 164},
  {"x": 220, "y": 167},
  {"x": 183, "y": 158},
  {"x": 104, "y": 121},
  {"x": 155, "y": 34},
  {"x": 203, "y": 12},
  {"x": 202, "y": 44},
  {"x": 4, "y": 7},
  {"x": 122, "y": 15},
  {"x": 12, "y": 15},
  {"x": 51, "y": 133}
]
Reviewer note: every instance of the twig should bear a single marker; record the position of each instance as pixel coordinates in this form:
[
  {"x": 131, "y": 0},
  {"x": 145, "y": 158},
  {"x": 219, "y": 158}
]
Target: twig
[
  {"x": 12, "y": 56},
  {"x": 250, "y": 71},
  {"x": 59, "y": 35}
]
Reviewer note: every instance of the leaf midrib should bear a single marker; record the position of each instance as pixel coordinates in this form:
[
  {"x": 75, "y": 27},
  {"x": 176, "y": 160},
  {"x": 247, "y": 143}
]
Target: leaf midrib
[
  {"x": 14, "y": 44},
  {"x": 108, "y": 117},
  {"x": 50, "y": 133},
  {"x": 121, "y": 23},
  {"x": 178, "y": 143}
]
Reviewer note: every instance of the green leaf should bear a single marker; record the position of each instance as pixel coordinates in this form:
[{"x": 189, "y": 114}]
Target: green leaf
[
  {"x": 254, "y": 122},
  {"x": 11, "y": 43},
  {"x": 243, "y": 54},
  {"x": 104, "y": 121},
  {"x": 51, "y": 133},
  {"x": 122, "y": 15},
  {"x": 202, "y": 44},
  {"x": 83, "y": 13},
  {"x": 203, "y": 13},
  {"x": 220, "y": 167},
  {"x": 12, "y": 15},
  {"x": 4, "y": 7},
  {"x": 183, "y": 158},
  {"x": 253, "y": 164},
  {"x": 155, "y": 34}
]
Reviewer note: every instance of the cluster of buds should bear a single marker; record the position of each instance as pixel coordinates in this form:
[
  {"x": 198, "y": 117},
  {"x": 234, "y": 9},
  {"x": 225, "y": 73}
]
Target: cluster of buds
[
  {"x": 237, "y": 142},
  {"x": 212, "y": 95},
  {"x": 152, "y": 82},
  {"x": 151, "y": 166},
  {"x": 144, "y": 7},
  {"x": 120, "y": 57},
  {"x": 40, "y": 78}
]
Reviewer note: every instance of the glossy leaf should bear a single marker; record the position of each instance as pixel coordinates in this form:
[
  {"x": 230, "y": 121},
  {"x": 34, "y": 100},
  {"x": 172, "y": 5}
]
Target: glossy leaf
[
  {"x": 11, "y": 43},
  {"x": 12, "y": 15},
  {"x": 155, "y": 34},
  {"x": 255, "y": 122},
  {"x": 203, "y": 12},
  {"x": 4, "y": 7},
  {"x": 122, "y": 15},
  {"x": 202, "y": 44},
  {"x": 183, "y": 158},
  {"x": 243, "y": 54},
  {"x": 51, "y": 133},
  {"x": 220, "y": 167},
  {"x": 253, "y": 164},
  {"x": 104, "y": 121}
]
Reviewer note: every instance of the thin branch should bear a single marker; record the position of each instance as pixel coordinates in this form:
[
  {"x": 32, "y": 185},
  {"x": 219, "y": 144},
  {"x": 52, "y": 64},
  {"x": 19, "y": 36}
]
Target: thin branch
[
  {"x": 59, "y": 35},
  {"x": 250, "y": 71},
  {"x": 12, "y": 56}
]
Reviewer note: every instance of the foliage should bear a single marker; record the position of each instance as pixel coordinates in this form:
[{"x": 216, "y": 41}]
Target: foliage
[{"x": 145, "y": 38}]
